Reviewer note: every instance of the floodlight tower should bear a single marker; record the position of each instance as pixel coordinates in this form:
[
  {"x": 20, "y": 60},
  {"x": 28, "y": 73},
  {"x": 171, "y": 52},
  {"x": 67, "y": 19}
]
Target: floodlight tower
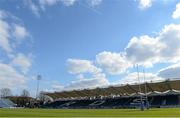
[
  {"x": 37, "y": 90},
  {"x": 141, "y": 104}
]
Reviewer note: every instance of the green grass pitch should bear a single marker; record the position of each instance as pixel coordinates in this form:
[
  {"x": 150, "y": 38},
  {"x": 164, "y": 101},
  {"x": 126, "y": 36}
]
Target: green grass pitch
[{"x": 164, "y": 112}]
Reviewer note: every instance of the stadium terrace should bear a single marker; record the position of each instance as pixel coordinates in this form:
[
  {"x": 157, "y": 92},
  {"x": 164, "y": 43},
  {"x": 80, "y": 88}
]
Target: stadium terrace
[{"x": 154, "y": 94}]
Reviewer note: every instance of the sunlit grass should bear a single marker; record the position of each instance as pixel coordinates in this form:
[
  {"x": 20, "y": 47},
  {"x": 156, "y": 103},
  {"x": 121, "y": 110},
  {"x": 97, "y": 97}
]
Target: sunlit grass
[{"x": 165, "y": 112}]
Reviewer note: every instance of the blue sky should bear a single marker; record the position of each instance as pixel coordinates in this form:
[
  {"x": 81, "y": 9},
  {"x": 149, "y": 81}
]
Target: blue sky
[{"x": 76, "y": 44}]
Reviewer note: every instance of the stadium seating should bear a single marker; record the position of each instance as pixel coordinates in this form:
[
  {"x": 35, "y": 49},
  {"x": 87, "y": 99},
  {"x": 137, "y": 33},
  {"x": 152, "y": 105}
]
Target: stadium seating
[
  {"x": 5, "y": 103},
  {"x": 161, "y": 94}
]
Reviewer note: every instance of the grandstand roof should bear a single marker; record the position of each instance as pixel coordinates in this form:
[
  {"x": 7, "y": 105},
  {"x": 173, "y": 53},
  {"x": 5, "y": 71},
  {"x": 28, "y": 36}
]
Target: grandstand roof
[{"x": 153, "y": 88}]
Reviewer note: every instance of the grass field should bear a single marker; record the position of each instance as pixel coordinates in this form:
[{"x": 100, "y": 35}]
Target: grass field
[{"x": 165, "y": 112}]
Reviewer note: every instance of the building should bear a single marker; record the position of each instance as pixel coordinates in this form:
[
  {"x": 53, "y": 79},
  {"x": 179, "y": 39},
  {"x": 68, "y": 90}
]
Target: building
[{"x": 153, "y": 94}]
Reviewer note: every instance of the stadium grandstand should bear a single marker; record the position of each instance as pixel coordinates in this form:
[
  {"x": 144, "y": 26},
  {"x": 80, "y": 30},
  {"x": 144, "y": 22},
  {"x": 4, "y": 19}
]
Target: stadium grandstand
[
  {"x": 6, "y": 103},
  {"x": 151, "y": 94}
]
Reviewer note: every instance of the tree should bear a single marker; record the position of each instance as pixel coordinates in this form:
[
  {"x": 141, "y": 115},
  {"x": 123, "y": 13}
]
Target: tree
[
  {"x": 41, "y": 96},
  {"x": 25, "y": 93},
  {"x": 5, "y": 92}
]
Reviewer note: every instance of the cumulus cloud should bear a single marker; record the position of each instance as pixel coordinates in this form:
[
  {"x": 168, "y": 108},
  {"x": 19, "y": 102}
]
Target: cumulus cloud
[
  {"x": 40, "y": 5},
  {"x": 132, "y": 78},
  {"x": 172, "y": 71},
  {"x": 4, "y": 36},
  {"x": 94, "y": 3},
  {"x": 143, "y": 4},
  {"x": 143, "y": 50},
  {"x": 163, "y": 48},
  {"x": 22, "y": 61},
  {"x": 44, "y": 3},
  {"x": 77, "y": 66},
  {"x": 9, "y": 28},
  {"x": 98, "y": 80},
  {"x": 176, "y": 13},
  {"x": 68, "y": 2},
  {"x": 56, "y": 86},
  {"x": 170, "y": 37},
  {"x": 95, "y": 81},
  {"x": 113, "y": 63},
  {"x": 48, "y": 2},
  {"x": 81, "y": 67},
  {"x": 3, "y": 14},
  {"x": 20, "y": 32},
  {"x": 33, "y": 7},
  {"x": 10, "y": 78}
]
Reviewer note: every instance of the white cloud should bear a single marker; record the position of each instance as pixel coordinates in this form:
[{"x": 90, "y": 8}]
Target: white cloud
[
  {"x": 40, "y": 5},
  {"x": 132, "y": 78},
  {"x": 48, "y": 2},
  {"x": 176, "y": 13},
  {"x": 10, "y": 28},
  {"x": 77, "y": 66},
  {"x": 143, "y": 50},
  {"x": 54, "y": 2},
  {"x": 113, "y": 63},
  {"x": 10, "y": 78},
  {"x": 56, "y": 86},
  {"x": 94, "y": 3},
  {"x": 20, "y": 32},
  {"x": 22, "y": 61},
  {"x": 143, "y": 4},
  {"x": 4, "y": 36},
  {"x": 68, "y": 2},
  {"x": 170, "y": 37},
  {"x": 3, "y": 14},
  {"x": 33, "y": 7},
  {"x": 80, "y": 77},
  {"x": 81, "y": 67},
  {"x": 44, "y": 3},
  {"x": 163, "y": 48},
  {"x": 172, "y": 71},
  {"x": 98, "y": 80}
]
